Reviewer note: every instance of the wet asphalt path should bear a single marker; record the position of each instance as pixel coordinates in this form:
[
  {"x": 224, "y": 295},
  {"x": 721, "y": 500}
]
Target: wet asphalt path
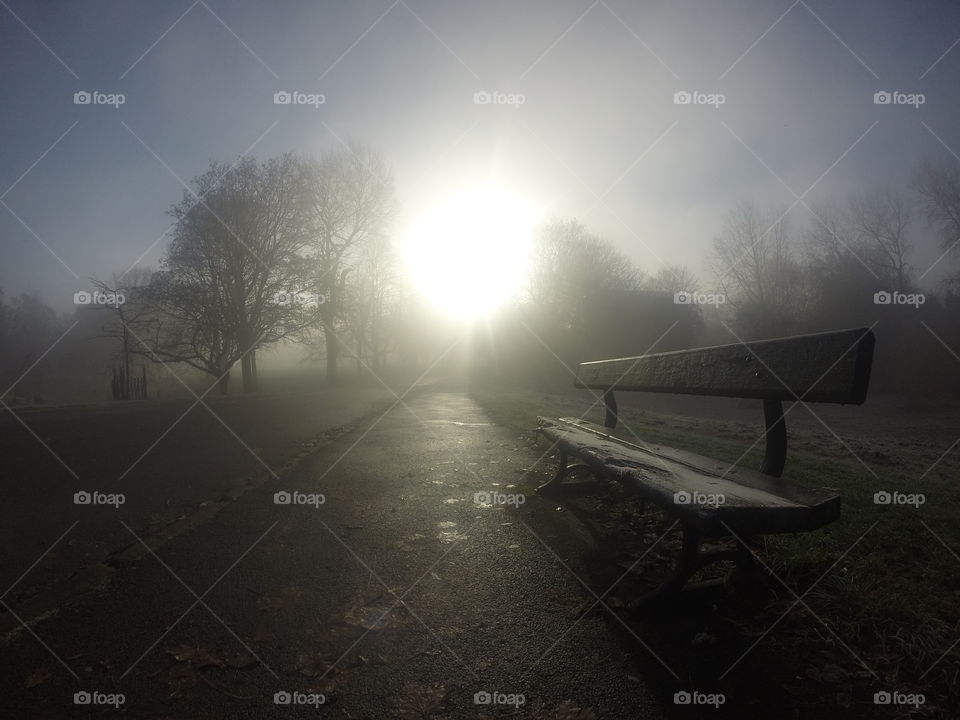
[
  {"x": 400, "y": 595},
  {"x": 174, "y": 463}
]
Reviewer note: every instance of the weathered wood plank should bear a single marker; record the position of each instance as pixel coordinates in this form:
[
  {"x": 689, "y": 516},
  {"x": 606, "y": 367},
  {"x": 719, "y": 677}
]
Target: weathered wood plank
[
  {"x": 753, "y": 503},
  {"x": 831, "y": 367}
]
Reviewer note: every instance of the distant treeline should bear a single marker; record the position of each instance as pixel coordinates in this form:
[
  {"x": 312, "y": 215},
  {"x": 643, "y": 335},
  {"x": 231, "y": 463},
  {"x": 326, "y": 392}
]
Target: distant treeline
[{"x": 297, "y": 251}]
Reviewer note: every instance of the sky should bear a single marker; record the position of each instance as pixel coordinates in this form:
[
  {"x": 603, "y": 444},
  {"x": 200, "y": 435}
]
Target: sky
[{"x": 582, "y": 121}]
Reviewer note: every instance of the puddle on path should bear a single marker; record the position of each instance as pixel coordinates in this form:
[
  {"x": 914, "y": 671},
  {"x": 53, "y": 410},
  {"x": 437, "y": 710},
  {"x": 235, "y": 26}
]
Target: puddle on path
[{"x": 448, "y": 533}]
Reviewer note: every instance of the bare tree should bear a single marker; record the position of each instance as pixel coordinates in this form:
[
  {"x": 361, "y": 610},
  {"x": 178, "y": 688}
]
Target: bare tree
[
  {"x": 375, "y": 290},
  {"x": 674, "y": 279},
  {"x": 757, "y": 270},
  {"x": 831, "y": 238},
  {"x": 571, "y": 265},
  {"x": 351, "y": 200},
  {"x": 126, "y": 315},
  {"x": 881, "y": 222},
  {"x": 939, "y": 186},
  {"x": 231, "y": 277}
]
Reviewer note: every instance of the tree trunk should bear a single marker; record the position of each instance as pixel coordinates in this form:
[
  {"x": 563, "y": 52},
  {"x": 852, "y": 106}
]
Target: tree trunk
[
  {"x": 224, "y": 383},
  {"x": 248, "y": 368},
  {"x": 245, "y": 373},
  {"x": 126, "y": 362},
  {"x": 332, "y": 347}
]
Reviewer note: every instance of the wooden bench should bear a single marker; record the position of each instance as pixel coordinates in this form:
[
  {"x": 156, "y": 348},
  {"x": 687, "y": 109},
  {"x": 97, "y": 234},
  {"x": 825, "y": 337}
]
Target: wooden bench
[{"x": 711, "y": 498}]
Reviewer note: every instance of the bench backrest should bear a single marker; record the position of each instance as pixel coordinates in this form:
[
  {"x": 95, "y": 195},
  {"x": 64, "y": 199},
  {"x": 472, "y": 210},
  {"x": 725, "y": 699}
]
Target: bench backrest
[{"x": 830, "y": 367}]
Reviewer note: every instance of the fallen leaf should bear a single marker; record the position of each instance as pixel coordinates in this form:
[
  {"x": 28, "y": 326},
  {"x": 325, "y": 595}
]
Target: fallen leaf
[{"x": 38, "y": 676}]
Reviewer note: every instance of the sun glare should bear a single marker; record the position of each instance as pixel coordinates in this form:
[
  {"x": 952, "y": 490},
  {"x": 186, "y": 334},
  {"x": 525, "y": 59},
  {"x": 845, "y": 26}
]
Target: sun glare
[{"x": 470, "y": 252}]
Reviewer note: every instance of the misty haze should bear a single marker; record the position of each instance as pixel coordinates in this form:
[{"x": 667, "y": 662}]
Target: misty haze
[{"x": 418, "y": 359}]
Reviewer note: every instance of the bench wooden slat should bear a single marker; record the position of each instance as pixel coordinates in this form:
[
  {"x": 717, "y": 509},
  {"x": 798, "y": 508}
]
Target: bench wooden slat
[
  {"x": 829, "y": 367},
  {"x": 754, "y": 503}
]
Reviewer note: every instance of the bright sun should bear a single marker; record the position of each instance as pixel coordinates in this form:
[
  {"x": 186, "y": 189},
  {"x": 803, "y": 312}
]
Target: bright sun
[{"x": 470, "y": 252}]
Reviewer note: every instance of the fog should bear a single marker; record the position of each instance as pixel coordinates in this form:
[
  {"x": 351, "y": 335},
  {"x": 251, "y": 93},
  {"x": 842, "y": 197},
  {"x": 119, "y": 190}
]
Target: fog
[{"x": 303, "y": 303}]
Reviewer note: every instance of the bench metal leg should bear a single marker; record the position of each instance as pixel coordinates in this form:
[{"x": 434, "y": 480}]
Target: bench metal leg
[
  {"x": 747, "y": 573},
  {"x": 687, "y": 564},
  {"x": 692, "y": 560},
  {"x": 563, "y": 471}
]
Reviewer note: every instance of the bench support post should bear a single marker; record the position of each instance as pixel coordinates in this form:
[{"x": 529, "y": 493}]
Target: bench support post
[
  {"x": 563, "y": 471},
  {"x": 610, "y": 402},
  {"x": 691, "y": 560},
  {"x": 776, "y": 454}
]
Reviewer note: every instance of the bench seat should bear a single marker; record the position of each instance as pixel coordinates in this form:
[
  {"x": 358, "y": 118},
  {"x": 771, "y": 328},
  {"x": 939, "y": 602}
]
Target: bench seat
[{"x": 754, "y": 503}]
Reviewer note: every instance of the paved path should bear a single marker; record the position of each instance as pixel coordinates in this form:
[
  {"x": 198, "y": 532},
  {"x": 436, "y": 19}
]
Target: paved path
[{"x": 398, "y": 596}]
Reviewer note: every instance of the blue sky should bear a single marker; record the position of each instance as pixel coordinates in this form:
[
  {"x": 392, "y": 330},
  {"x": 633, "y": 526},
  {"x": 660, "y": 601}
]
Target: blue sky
[{"x": 598, "y": 135}]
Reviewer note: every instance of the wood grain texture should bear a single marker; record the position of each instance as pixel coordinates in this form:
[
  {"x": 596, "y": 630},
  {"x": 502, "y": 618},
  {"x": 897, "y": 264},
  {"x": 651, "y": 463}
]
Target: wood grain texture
[
  {"x": 753, "y": 503},
  {"x": 831, "y": 367}
]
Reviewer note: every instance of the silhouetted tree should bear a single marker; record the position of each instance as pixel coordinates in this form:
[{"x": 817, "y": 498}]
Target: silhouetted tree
[
  {"x": 881, "y": 223},
  {"x": 758, "y": 272},
  {"x": 939, "y": 186},
  {"x": 674, "y": 279},
  {"x": 125, "y": 320},
  {"x": 569, "y": 266},
  {"x": 231, "y": 278},
  {"x": 373, "y": 299},
  {"x": 351, "y": 200}
]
